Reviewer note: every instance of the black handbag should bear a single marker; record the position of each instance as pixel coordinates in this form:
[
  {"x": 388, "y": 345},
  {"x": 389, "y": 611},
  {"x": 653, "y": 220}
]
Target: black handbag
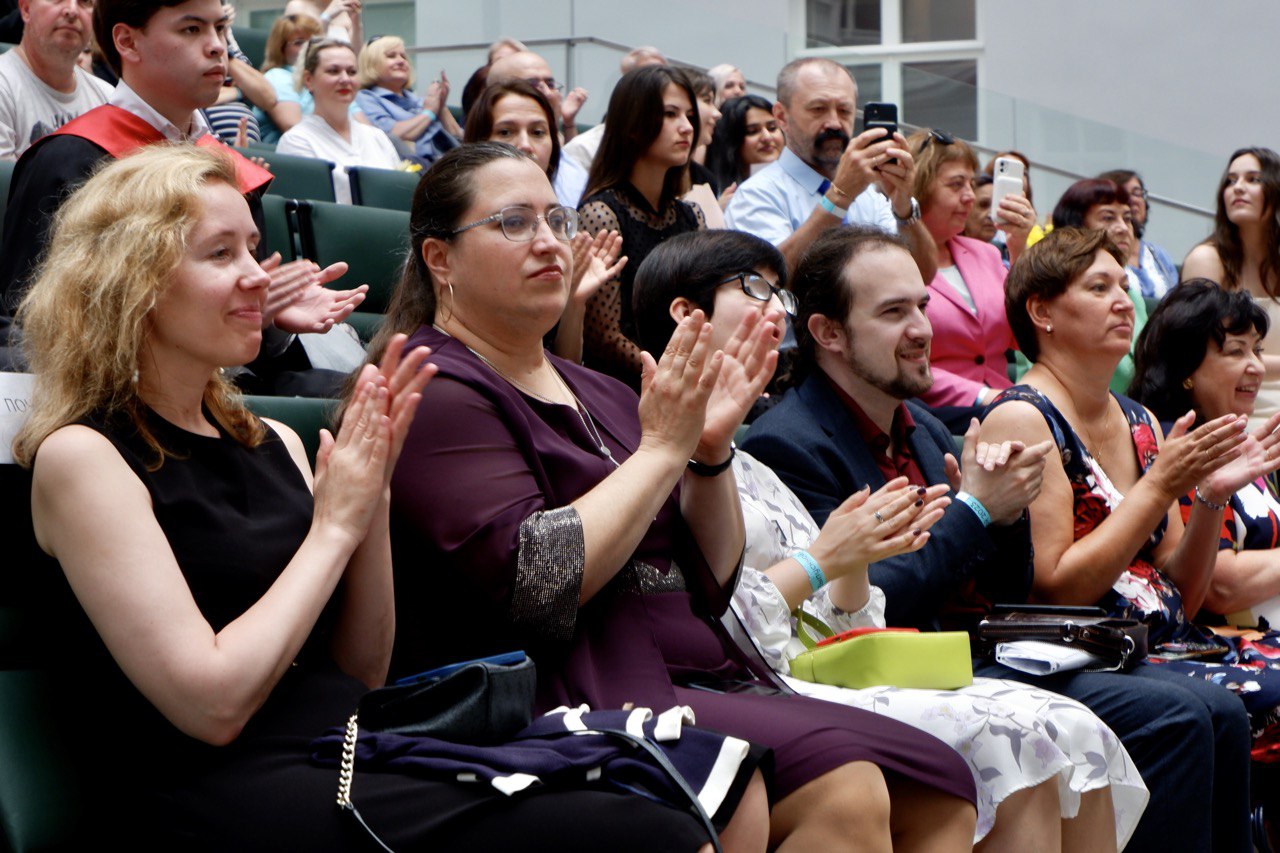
[
  {"x": 482, "y": 701},
  {"x": 1120, "y": 643}
]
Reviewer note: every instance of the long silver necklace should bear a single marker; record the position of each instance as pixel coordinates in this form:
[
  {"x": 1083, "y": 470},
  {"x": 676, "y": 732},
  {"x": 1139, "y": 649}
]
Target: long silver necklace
[{"x": 584, "y": 414}]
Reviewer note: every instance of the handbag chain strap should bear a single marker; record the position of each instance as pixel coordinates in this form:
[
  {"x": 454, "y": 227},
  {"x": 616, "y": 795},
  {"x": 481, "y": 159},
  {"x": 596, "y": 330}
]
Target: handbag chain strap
[
  {"x": 347, "y": 771},
  {"x": 347, "y": 774}
]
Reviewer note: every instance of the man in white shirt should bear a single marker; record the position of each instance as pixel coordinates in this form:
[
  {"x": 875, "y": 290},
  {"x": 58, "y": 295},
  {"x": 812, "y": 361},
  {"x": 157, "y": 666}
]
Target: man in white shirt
[
  {"x": 824, "y": 177},
  {"x": 41, "y": 87}
]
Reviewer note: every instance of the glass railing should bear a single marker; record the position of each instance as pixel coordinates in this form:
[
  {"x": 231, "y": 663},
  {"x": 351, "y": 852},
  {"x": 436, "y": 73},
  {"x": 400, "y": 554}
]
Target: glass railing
[
  {"x": 1182, "y": 182},
  {"x": 1063, "y": 148}
]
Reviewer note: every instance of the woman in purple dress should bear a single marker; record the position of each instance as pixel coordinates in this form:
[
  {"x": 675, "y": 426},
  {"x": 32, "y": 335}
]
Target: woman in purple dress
[{"x": 548, "y": 512}]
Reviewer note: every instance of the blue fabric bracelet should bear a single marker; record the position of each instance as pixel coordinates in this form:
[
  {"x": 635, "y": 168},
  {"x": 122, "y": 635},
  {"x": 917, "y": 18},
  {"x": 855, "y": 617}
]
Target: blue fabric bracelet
[
  {"x": 817, "y": 579},
  {"x": 830, "y": 207},
  {"x": 976, "y": 505}
]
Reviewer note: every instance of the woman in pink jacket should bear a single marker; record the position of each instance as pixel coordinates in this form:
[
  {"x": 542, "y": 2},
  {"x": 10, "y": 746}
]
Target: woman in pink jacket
[{"x": 966, "y": 306}]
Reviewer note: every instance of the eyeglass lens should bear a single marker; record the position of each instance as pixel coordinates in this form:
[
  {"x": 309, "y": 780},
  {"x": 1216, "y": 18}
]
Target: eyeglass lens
[
  {"x": 521, "y": 223},
  {"x": 759, "y": 288}
]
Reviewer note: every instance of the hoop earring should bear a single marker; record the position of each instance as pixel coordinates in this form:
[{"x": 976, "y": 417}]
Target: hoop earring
[{"x": 449, "y": 285}]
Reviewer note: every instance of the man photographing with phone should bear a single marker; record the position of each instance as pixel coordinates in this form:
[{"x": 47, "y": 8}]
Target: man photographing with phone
[{"x": 826, "y": 176}]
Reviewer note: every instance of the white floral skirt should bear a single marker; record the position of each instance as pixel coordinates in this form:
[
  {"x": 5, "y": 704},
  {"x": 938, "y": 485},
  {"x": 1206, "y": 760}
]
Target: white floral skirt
[{"x": 1013, "y": 736}]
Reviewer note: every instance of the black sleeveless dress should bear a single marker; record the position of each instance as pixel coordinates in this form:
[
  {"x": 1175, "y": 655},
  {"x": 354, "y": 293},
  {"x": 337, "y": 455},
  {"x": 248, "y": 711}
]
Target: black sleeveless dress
[{"x": 234, "y": 517}]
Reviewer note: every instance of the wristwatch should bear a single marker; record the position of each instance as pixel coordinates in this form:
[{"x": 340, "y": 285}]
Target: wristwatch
[{"x": 913, "y": 218}]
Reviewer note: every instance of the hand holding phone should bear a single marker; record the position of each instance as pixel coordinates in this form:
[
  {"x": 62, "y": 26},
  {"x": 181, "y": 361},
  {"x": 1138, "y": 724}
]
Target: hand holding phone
[
  {"x": 1007, "y": 174},
  {"x": 881, "y": 115}
]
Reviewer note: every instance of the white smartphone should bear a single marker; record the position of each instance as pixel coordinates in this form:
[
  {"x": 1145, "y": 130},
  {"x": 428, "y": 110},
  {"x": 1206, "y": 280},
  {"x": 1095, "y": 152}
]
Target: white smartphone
[{"x": 1007, "y": 175}]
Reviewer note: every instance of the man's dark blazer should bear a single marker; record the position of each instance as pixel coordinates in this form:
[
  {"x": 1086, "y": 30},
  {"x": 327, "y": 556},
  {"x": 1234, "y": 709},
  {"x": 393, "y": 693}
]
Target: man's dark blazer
[{"x": 811, "y": 440}]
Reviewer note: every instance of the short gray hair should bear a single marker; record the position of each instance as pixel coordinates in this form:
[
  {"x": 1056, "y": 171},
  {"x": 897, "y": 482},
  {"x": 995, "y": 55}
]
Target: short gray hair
[{"x": 787, "y": 76}]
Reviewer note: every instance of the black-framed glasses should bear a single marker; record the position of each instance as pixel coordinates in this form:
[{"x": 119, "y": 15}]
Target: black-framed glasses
[
  {"x": 758, "y": 287},
  {"x": 520, "y": 223},
  {"x": 941, "y": 136}
]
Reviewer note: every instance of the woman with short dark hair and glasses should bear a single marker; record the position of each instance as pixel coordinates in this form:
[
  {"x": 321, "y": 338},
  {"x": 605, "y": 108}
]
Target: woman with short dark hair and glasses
[
  {"x": 966, "y": 306},
  {"x": 634, "y": 188},
  {"x": 545, "y": 507}
]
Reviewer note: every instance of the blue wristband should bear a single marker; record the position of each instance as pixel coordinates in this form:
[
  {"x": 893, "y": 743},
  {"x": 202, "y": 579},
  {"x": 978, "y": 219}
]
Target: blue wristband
[
  {"x": 817, "y": 579},
  {"x": 830, "y": 207},
  {"x": 976, "y": 505}
]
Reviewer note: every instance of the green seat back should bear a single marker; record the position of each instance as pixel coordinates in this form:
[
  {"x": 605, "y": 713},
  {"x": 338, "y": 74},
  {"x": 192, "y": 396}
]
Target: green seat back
[
  {"x": 372, "y": 240},
  {"x": 253, "y": 43},
  {"x": 6, "y": 176},
  {"x": 304, "y": 415},
  {"x": 280, "y": 235},
  {"x": 366, "y": 324},
  {"x": 296, "y": 177},
  {"x": 389, "y": 188},
  {"x": 41, "y": 798}
]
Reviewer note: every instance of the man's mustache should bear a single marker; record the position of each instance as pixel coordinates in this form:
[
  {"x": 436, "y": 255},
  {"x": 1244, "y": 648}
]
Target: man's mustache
[{"x": 828, "y": 135}]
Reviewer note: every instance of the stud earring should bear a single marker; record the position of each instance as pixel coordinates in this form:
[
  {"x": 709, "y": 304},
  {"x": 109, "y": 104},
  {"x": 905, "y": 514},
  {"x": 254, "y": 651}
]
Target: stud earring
[
  {"x": 1048, "y": 329},
  {"x": 1188, "y": 384}
]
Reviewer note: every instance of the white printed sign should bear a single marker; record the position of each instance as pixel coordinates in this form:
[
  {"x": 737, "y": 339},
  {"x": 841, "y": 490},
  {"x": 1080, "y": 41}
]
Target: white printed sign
[{"x": 15, "y": 402}]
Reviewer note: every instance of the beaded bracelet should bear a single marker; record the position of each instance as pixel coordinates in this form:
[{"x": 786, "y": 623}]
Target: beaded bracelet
[{"x": 1210, "y": 504}]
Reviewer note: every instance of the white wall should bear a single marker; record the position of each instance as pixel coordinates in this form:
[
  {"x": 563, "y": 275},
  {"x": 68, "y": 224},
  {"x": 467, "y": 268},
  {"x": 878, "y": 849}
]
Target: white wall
[
  {"x": 1166, "y": 87},
  {"x": 749, "y": 33}
]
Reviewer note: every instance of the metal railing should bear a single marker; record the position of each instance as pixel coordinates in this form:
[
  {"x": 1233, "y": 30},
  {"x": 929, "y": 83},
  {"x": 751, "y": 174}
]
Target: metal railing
[{"x": 568, "y": 45}]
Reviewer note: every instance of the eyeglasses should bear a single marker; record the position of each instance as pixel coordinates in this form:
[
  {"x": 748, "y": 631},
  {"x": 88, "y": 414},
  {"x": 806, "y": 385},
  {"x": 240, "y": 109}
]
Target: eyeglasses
[
  {"x": 1137, "y": 192},
  {"x": 942, "y": 137},
  {"x": 520, "y": 223},
  {"x": 758, "y": 287},
  {"x": 545, "y": 82}
]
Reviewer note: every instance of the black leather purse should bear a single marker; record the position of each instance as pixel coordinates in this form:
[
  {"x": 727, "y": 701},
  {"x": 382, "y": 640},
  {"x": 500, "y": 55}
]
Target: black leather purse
[
  {"x": 482, "y": 701},
  {"x": 1119, "y": 643}
]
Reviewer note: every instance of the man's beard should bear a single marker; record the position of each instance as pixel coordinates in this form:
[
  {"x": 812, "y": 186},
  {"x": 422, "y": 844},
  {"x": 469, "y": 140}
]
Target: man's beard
[
  {"x": 819, "y": 147},
  {"x": 901, "y": 386}
]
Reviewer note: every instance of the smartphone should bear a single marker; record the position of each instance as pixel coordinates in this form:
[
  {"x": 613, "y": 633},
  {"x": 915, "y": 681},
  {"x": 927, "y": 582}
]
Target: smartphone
[
  {"x": 876, "y": 114},
  {"x": 504, "y": 659},
  {"x": 1007, "y": 175}
]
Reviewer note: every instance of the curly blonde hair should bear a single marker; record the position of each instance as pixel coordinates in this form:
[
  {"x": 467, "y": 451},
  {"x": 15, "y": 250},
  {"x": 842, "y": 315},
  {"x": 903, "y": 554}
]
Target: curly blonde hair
[{"x": 85, "y": 320}]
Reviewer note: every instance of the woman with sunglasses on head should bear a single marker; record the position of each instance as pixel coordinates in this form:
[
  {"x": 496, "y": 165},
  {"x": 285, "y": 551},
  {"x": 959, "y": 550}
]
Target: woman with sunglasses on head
[
  {"x": 387, "y": 99},
  {"x": 1243, "y": 252},
  {"x": 517, "y": 113},
  {"x": 746, "y": 137},
  {"x": 547, "y": 504},
  {"x": 329, "y": 133},
  {"x": 634, "y": 188},
  {"x": 966, "y": 308}
]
